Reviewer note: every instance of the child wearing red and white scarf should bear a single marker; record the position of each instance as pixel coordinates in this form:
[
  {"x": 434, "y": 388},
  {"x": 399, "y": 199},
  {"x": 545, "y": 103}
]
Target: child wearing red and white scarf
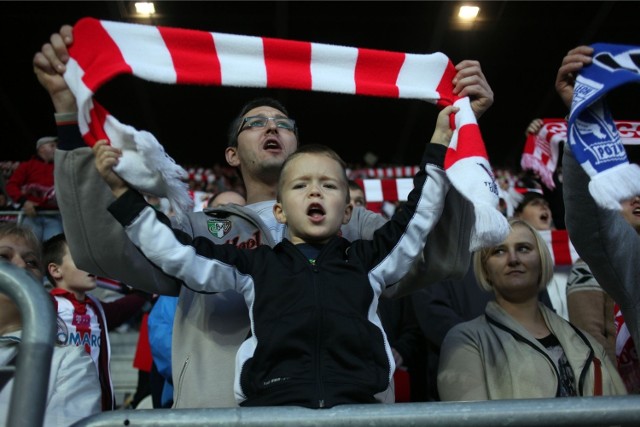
[{"x": 86, "y": 319}]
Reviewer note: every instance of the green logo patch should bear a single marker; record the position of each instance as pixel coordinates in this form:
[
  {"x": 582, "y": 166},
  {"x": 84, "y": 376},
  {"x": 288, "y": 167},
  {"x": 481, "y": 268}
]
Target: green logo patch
[{"x": 219, "y": 227}]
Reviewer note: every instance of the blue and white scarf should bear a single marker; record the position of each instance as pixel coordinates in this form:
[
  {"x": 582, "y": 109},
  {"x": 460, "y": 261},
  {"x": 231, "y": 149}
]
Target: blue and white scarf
[{"x": 593, "y": 136}]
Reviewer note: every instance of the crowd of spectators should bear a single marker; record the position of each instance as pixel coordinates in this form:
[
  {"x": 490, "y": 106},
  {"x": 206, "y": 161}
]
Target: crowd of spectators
[
  {"x": 206, "y": 182},
  {"x": 519, "y": 319}
]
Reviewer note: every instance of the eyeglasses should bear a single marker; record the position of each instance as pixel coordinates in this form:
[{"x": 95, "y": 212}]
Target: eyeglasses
[{"x": 257, "y": 122}]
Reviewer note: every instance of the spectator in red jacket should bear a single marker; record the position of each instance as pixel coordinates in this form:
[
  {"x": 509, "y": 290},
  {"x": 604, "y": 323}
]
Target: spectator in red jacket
[{"x": 31, "y": 188}]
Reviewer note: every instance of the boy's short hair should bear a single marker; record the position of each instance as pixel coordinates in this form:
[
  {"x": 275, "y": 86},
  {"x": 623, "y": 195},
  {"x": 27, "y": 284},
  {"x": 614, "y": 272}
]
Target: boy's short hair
[
  {"x": 354, "y": 185},
  {"x": 232, "y": 134},
  {"x": 527, "y": 198},
  {"x": 53, "y": 251},
  {"x": 546, "y": 260},
  {"x": 315, "y": 149}
]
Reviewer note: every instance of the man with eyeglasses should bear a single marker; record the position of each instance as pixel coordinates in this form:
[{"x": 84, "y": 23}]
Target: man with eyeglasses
[{"x": 209, "y": 328}]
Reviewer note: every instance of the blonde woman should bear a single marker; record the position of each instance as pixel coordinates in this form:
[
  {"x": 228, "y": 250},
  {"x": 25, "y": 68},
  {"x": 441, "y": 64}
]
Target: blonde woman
[{"x": 519, "y": 348}]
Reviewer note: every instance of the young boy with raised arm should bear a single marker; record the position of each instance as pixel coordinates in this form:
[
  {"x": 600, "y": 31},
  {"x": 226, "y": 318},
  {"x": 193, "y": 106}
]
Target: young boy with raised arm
[{"x": 316, "y": 338}]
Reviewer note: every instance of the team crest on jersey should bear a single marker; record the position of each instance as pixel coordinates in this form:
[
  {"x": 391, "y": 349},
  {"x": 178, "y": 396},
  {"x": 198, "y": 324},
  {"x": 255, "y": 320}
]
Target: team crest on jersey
[{"x": 219, "y": 227}]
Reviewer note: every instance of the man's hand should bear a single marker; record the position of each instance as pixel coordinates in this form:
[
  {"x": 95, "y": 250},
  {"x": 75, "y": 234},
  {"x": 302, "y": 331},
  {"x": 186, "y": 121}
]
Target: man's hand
[
  {"x": 49, "y": 66},
  {"x": 573, "y": 62},
  {"x": 469, "y": 81},
  {"x": 106, "y": 157}
]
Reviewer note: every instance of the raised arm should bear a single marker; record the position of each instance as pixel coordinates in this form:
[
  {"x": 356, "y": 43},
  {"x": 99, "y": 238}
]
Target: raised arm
[
  {"x": 446, "y": 253},
  {"x": 190, "y": 260},
  {"x": 402, "y": 239},
  {"x": 602, "y": 237},
  {"x": 96, "y": 241},
  {"x": 49, "y": 65}
]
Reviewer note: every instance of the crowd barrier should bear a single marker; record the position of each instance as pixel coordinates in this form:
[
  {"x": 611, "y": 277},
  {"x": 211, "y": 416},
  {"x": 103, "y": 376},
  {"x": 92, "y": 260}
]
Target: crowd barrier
[
  {"x": 560, "y": 412},
  {"x": 18, "y": 215},
  {"x": 33, "y": 364}
]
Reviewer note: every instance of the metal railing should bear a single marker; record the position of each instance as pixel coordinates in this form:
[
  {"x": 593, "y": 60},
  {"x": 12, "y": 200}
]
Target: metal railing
[
  {"x": 19, "y": 214},
  {"x": 33, "y": 364},
  {"x": 559, "y": 412}
]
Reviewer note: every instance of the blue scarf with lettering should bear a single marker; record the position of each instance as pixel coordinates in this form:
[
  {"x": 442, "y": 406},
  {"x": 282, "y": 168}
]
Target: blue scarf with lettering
[{"x": 593, "y": 136}]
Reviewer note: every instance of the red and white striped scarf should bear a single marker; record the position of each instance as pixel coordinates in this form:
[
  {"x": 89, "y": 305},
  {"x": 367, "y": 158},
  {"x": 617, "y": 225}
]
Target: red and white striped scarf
[
  {"x": 105, "y": 49},
  {"x": 561, "y": 248},
  {"x": 542, "y": 150},
  {"x": 383, "y": 172}
]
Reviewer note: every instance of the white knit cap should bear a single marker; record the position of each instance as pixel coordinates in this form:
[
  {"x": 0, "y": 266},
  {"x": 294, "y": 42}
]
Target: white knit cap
[{"x": 46, "y": 140}]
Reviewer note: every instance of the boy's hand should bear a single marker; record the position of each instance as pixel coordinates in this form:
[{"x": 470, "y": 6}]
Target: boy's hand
[
  {"x": 443, "y": 132},
  {"x": 106, "y": 157}
]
